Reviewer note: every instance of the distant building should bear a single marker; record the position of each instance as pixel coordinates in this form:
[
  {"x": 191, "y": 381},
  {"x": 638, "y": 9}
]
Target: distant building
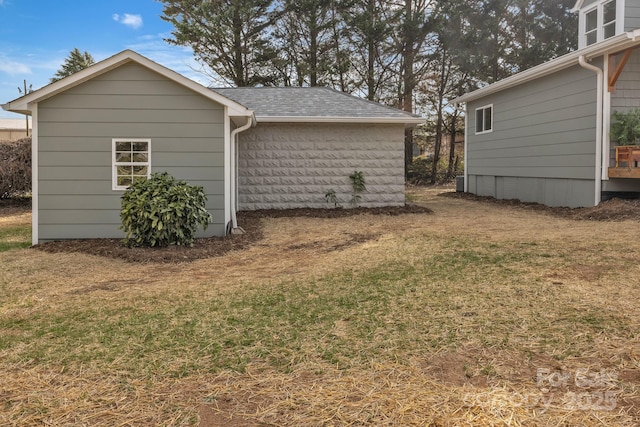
[{"x": 13, "y": 129}]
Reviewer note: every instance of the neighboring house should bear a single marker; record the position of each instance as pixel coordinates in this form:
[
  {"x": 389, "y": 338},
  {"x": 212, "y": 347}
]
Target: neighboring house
[
  {"x": 543, "y": 135},
  {"x": 125, "y": 117},
  {"x": 13, "y": 129}
]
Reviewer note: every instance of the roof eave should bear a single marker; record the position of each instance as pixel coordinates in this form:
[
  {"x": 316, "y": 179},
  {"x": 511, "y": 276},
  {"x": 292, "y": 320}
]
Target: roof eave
[
  {"x": 619, "y": 42},
  {"x": 333, "y": 119},
  {"x": 577, "y": 6}
]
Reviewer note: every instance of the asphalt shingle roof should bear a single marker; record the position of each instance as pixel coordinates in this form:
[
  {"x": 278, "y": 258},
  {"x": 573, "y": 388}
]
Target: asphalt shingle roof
[{"x": 309, "y": 102}]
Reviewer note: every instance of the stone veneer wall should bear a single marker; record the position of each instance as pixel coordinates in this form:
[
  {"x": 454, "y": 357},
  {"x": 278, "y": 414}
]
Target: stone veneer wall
[{"x": 285, "y": 166}]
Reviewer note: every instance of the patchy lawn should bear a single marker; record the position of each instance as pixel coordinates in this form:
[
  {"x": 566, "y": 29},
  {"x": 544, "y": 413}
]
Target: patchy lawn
[{"x": 481, "y": 313}]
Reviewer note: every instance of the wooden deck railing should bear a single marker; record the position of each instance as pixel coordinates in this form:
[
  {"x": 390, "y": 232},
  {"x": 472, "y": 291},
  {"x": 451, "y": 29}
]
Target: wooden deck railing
[{"x": 627, "y": 162}]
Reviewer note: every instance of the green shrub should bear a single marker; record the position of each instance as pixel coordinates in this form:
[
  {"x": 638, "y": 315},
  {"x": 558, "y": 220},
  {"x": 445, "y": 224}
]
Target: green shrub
[
  {"x": 625, "y": 129},
  {"x": 162, "y": 211},
  {"x": 358, "y": 186}
]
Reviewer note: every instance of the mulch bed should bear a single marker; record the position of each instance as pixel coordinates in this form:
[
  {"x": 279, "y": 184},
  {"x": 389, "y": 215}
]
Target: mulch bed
[
  {"x": 212, "y": 246},
  {"x": 610, "y": 210}
]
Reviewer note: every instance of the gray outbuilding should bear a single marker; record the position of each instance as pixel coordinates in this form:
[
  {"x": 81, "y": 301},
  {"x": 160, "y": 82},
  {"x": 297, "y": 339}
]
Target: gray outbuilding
[{"x": 100, "y": 129}]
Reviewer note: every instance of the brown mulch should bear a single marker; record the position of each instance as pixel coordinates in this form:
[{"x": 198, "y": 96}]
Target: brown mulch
[
  {"x": 610, "y": 210},
  {"x": 213, "y": 246}
]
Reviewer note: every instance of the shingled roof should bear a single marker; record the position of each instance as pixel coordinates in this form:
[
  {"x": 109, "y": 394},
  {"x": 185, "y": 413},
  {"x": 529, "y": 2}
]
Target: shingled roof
[{"x": 313, "y": 104}]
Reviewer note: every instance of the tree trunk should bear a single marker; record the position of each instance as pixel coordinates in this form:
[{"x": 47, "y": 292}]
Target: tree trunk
[
  {"x": 452, "y": 146},
  {"x": 313, "y": 49},
  {"x": 239, "y": 68},
  {"x": 408, "y": 79},
  {"x": 371, "y": 77}
]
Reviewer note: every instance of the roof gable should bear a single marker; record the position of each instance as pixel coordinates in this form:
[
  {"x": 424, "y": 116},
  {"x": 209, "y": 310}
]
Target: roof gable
[
  {"x": 24, "y": 104},
  {"x": 314, "y": 104}
]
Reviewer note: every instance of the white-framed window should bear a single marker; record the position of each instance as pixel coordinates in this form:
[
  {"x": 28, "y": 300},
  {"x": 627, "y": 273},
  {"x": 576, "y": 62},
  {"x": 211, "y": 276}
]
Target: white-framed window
[
  {"x": 131, "y": 161},
  {"x": 484, "y": 119},
  {"x": 601, "y": 20}
]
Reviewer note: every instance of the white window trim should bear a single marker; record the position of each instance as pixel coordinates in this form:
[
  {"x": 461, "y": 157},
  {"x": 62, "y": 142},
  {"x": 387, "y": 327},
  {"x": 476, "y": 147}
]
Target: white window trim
[
  {"x": 484, "y": 107},
  {"x": 599, "y": 6},
  {"x": 114, "y": 164}
]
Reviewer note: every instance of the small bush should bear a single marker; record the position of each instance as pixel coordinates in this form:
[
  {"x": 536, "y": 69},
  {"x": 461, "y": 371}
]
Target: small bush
[
  {"x": 15, "y": 168},
  {"x": 163, "y": 211}
]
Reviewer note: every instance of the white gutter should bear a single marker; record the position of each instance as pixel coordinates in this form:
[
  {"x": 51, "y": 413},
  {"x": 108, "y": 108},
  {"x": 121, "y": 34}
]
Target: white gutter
[
  {"x": 234, "y": 170},
  {"x": 599, "y": 128}
]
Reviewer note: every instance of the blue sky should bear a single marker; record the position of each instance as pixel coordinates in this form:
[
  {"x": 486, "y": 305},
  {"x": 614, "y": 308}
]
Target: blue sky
[{"x": 37, "y": 35}]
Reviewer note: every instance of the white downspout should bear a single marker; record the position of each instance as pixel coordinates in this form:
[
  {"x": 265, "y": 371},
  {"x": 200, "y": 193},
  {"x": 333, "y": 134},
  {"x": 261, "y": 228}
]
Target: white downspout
[
  {"x": 599, "y": 127},
  {"x": 466, "y": 147},
  {"x": 234, "y": 170}
]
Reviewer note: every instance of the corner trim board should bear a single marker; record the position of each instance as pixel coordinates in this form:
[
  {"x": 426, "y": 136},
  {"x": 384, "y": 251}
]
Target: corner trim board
[{"x": 34, "y": 175}]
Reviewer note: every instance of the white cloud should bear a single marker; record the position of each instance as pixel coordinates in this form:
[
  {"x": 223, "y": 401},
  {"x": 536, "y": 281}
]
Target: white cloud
[
  {"x": 13, "y": 68},
  {"x": 133, "y": 21}
]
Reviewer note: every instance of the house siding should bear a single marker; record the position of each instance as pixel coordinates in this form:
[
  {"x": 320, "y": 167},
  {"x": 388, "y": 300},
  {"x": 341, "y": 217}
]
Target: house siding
[
  {"x": 626, "y": 95},
  {"x": 76, "y": 129},
  {"x": 284, "y": 166},
  {"x": 542, "y": 147},
  {"x": 632, "y": 15}
]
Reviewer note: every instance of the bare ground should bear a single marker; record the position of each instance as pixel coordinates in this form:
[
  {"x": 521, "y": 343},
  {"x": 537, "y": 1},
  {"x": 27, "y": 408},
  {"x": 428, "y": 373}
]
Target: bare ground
[{"x": 432, "y": 389}]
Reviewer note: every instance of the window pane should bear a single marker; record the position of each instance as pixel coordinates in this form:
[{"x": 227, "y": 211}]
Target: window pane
[
  {"x": 487, "y": 118},
  {"x": 140, "y": 157},
  {"x": 123, "y": 146},
  {"x": 479, "y": 120},
  {"x": 139, "y": 178},
  {"x": 592, "y": 38},
  {"x": 609, "y": 10},
  {"x": 140, "y": 146},
  {"x": 592, "y": 20},
  {"x": 124, "y": 180},
  {"x": 139, "y": 170},
  {"x": 125, "y": 170},
  {"x": 123, "y": 157},
  {"x": 610, "y": 30}
]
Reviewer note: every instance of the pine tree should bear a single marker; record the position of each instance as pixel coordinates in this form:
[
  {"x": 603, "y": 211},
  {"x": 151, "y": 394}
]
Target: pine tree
[
  {"x": 76, "y": 61},
  {"x": 230, "y": 36}
]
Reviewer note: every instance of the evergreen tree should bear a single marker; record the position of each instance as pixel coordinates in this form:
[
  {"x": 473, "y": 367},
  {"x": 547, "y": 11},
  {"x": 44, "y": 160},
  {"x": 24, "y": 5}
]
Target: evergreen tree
[
  {"x": 229, "y": 36},
  {"x": 76, "y": 61}
]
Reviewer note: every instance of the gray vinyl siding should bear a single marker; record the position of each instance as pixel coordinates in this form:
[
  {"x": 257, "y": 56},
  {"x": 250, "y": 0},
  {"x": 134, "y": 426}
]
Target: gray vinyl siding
[
  {"x": 632, "y": 15},
  {"x": 626, "y": 95},
  {"x": 285, "y": 166},
  {"x": 75, "y": 132},
  {"x": 542, "y": 147}
]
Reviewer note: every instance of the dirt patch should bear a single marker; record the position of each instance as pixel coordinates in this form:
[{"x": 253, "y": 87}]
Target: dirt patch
[
  {"x": 15, "y": 206},
  {"x": 218, "y": 246}
]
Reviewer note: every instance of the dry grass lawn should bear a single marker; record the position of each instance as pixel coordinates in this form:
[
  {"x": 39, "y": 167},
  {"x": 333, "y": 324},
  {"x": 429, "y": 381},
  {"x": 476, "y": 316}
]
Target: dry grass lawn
[{"x": 478, "y": 314}]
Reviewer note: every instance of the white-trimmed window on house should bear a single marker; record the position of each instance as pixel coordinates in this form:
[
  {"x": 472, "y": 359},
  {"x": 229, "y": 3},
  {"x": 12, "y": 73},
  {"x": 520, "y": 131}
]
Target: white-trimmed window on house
[
  {"x": 600, "y": 22},
  {"x": 484, "y": 119},
  {"x": 131, "y": 161}
]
